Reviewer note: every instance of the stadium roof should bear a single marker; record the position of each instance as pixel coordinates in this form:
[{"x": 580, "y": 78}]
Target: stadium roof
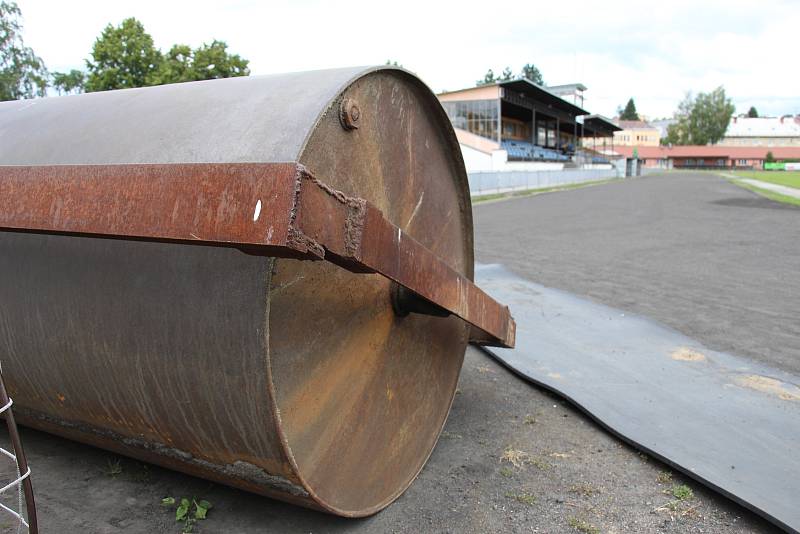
[
  {"x": 529, "y": 89},
  {"x": 541, "y": 94},
  {"x": 600, "y": 125},
  {"x": 567, "y": 86}
]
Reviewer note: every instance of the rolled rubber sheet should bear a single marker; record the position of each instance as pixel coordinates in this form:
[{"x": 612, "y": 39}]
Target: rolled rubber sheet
[{"x": 728, "y": 422}]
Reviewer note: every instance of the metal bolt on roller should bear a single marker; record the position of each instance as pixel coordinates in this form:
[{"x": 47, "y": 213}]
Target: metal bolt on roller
[{"x": 262, "y": 281}]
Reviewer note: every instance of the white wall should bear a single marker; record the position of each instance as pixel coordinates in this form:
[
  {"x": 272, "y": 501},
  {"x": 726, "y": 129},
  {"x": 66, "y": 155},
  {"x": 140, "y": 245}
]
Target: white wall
[{"x": 475, "y": 160}]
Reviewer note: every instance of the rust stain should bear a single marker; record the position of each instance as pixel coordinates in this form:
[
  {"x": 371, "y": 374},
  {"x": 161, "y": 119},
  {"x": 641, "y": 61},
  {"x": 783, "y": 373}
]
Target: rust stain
[
  {"x": 685, "y": 354},
  {"x": 771, "y": 386}
]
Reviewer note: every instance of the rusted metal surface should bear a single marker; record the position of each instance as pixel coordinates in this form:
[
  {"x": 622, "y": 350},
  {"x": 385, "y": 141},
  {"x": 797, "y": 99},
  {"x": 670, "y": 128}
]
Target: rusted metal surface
[
  {"x": 276, "y": 209},
  {"x": 291, "y": 378}
]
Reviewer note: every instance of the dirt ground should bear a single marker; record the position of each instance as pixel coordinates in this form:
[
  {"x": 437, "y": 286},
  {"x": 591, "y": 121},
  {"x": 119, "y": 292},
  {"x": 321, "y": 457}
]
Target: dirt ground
[{"x": 512, "y": 458}]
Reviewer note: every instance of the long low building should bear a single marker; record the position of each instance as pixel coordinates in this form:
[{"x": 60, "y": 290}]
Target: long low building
[
  {"x": 707, "y": 156},
  {"x": 519, "y": 125}
]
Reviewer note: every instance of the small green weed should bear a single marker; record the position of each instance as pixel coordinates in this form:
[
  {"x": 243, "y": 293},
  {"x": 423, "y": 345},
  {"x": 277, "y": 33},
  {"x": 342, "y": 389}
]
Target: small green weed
[
  {"x": 584, "y": 489},
  {"x": 664, "y": 477},
  {"x": 524, "y": 498},
  {"x": 188, "y": 511},
  {"x": 582, "y": 526},
  {"x": 506, "y": 471},
  {"x": 681, "y": 492},
  {"x": 539, "y": 463},
  {"x": 114, "y": 467},
  {"x": 530, "y": 420}
]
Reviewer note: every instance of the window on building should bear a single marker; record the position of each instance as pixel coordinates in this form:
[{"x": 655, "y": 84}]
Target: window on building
[{"x": 475, "y": 116}]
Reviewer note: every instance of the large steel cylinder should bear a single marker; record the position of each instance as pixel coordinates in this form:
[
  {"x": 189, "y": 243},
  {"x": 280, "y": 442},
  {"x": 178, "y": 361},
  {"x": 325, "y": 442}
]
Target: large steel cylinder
[{"x": 293, "y": 379}]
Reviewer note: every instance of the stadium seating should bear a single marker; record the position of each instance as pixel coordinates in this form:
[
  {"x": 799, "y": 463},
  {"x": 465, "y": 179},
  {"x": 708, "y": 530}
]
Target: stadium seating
[{"x": 522, "y": 150}]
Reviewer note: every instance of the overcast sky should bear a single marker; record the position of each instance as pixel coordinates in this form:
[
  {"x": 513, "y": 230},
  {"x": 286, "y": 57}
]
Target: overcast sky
[{"x": 654, "y": 53}]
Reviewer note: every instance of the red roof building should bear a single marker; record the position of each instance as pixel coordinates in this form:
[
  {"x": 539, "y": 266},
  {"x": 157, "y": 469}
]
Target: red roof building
[{"x": 712, "y": 156}]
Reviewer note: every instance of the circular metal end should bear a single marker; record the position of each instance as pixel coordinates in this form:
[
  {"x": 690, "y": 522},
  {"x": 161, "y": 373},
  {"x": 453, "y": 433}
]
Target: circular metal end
[{"x": 349, "y": 114}]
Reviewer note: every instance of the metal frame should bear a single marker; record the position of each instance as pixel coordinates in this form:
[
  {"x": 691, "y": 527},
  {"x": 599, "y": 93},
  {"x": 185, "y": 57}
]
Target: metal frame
[
  {"x": 274, "y": 209},
  {"x": 23, "y": 471}
]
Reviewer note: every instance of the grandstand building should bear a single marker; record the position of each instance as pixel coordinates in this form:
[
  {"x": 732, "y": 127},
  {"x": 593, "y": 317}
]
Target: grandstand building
[{"x": 519, "y": 125}]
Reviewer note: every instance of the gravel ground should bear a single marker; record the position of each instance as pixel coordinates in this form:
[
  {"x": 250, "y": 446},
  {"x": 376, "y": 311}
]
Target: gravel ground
[
  {"x": 571, "y": 475},
  {"x": 640, "y": 245}
]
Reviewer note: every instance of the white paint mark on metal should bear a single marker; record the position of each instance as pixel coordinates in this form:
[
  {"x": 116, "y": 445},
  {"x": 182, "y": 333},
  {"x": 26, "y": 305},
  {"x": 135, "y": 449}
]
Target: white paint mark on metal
[
  {"x": 416, "y": 209},
  {"x": 257, "y": 213}
]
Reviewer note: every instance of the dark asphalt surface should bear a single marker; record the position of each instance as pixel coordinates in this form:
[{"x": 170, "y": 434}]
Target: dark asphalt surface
[{"x": 714, "y": 261}]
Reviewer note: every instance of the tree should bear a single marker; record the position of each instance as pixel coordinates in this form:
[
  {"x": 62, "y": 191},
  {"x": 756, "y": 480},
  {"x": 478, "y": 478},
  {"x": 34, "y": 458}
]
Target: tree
[
  {"x": 507, "y": 75},
  {"x": 701, "y": 120},
  {"x": 488, "y": 78},
  {"x": 678, "y": 132},
  {"x": 629, "y": 113},
  {"x": 530, "y": 72},
  {"x": 68, "y": 82},
  {"x": 752, "y": 112},
  {"x": 125, "y": 56},
  {"x": 22, "y": 73},
  {"x": 770, "y": 157},
  {"x": 212, "y": 61},
  {"x": 182, "y": 64},
  {"x": 122, "y": 57}
]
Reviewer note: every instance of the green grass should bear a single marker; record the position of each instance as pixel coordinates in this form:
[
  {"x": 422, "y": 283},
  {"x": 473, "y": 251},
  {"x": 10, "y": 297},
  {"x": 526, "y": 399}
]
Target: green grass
[
  {"x": 681, "y": 492},
  {"x": 777, "y": 197},
  {"x": 582, "y": 526},
  {"x": 531, "y": 192},
  {"x": 785, "y": 178},
  {"x": 524, "y": 498}
]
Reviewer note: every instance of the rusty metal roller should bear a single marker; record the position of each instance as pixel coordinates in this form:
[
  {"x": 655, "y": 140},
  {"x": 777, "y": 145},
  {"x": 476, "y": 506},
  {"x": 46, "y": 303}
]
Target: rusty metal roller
[{"x": 262, "y": 281}]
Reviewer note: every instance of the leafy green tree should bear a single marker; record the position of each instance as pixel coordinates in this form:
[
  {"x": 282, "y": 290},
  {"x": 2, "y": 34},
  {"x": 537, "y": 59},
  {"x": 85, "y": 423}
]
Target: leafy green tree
[
  {"x": 701, "y": 120},
  {"x": 530, "y": 72},
  {"x": 678, "y": 132},
  {"x": 752, "y": 112},
  {"x": 212, "y": 61},
  {"x": 68, "y": 82},
  {"x": 770, "y": 157},
  {"x": 123, "y": 56},
  {"x": 22, "y": 73},
  {"x": 507, "y": 75},
  {"x": 488, "y": 78},
  {"x": 176, "y": 66},
  {"x": 394, "y": 63},
  {"x": 711, "y": 115},
  {"x": 629, "y": 113},
  {"x": 208, "y": 62}
]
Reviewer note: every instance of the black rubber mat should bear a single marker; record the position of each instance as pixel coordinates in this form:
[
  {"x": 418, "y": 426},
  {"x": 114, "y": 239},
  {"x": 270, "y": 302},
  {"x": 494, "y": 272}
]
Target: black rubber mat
[{"x": 730, "y": 423}]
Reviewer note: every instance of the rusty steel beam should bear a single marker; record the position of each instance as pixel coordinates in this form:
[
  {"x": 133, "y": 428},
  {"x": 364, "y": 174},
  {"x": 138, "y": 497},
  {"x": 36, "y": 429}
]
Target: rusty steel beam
[{"x": 276, "y": 209}]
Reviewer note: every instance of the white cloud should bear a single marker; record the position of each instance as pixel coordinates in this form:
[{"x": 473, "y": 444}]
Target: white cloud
[{"x": 652, "y": 52}]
